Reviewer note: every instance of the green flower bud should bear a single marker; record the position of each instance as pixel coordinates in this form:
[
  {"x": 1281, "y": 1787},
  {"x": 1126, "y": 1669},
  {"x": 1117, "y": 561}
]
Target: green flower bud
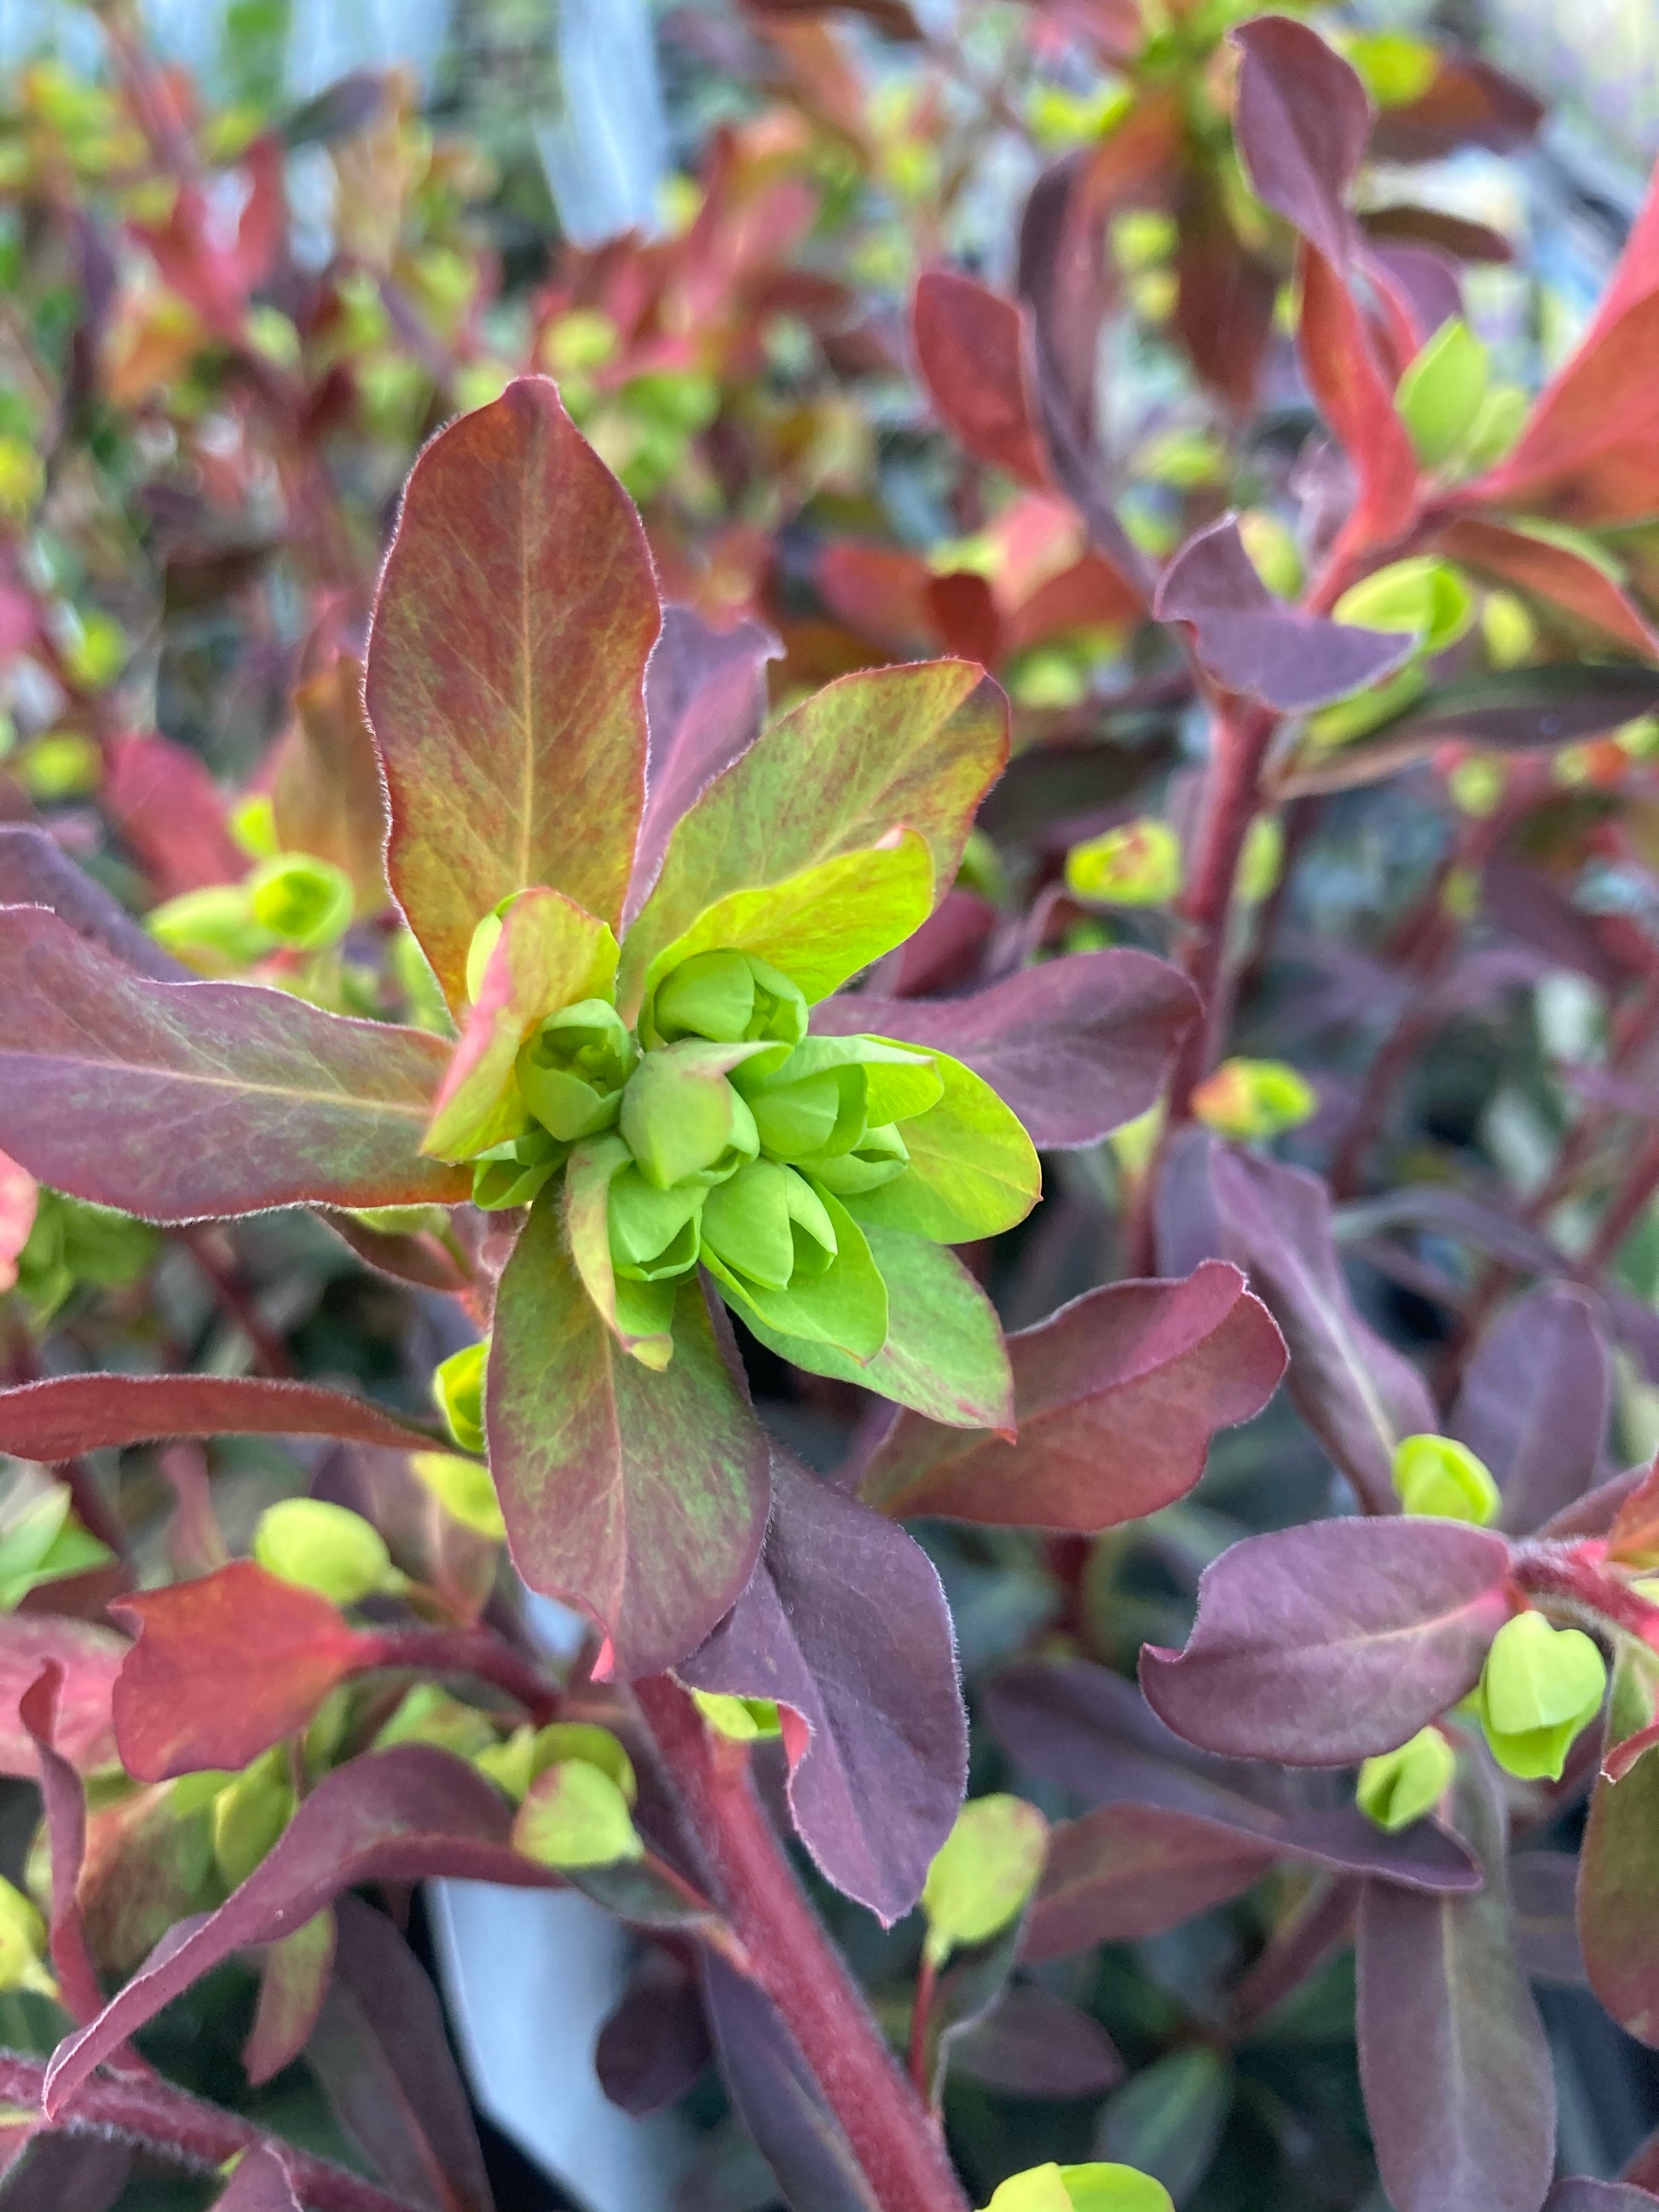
[
  {"x": 730, "y": 998},
  {"x": 1422, "y": 594},
  {"x": 302, "y": 902},
  {"x": 1436, "y": 1477},
  {"x": 571, "y": 1070},
  {"x": 1538, "y": 1687},
  {"x": 465, "y": 1490},
  {"x": 457, "y": 1391},
  {"x": 565, "y": 1739},
  {"x": 653, "y": 1233},
  {"x": 511, "y": 1174},
  {"x": 212, "y": 931},
  {"x": 250, "y": 1814},
  {"x": 877, "y": 1157},
  {"x": 322, "y": 1548},
  {"x": 815, "y": 1115},
  {"x": 22, "y": 1944},
  {"x": 1254, "y": 1099},
  {"x": 768, "y": 1224},
  {"x": 1096, "y": 2187},
  {"x": 741, "y": 1720},
  {"x": 1136, "y": 864},
  {"x": 1441, "y": 394},
  {"x": 574, "y": 1815},
  {"x": 982, "y": 1873},
  {"x": 683, "y": 1121},
  {"x": 1399, "y": 1787}
]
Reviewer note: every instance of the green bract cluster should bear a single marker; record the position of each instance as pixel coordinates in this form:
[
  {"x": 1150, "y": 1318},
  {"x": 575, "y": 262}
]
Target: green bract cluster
[{"x": 716, "y": 1133}]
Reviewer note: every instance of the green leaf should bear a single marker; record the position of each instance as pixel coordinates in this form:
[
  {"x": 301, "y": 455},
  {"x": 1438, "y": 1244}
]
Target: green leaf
[
  {"x": 1096, "y": 2187},
  {"x": 640, "y": 1497},
  {"x": 322, "y": 1546},
  {"x": 573, "y": 1815},
  {"x": 506, "y": 681},
  {"x": 944, "y": 1357},
  {"x": 974, "y": 1171},
  {"x": 549, "y": 954},
  {"x": 915, "y": 747},
  {"x": 639, "y": 1314},
  {"x": 822, "y": 926},
  {"x": 984, "y": 1872},
  {"x": 844, "y": 1308},
  {"x": 464, "y": 1489},
  {"x": 1440, "y": 395},
  {"x": 682, "y": 1119}
]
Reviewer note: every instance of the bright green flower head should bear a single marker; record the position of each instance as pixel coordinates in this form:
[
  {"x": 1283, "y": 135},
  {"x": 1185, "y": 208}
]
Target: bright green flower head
[
  {"x": 1538, "y": 1687},
  {"x": 1399, "y": 1787}
]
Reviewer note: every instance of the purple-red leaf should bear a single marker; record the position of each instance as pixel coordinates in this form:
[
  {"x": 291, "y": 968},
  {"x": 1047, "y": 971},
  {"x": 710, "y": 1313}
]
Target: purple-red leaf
[
  {"x": 225, "y": 1667},
  {"x": 1252, "y": 642},
  {"x": 1453, "y": 2059},
  {"x": 1575, "y": 2194},
  {"x": 975, "y": 351},
  {"x": 1117, "y": 1396},
  {"x": 1077, "y": 1046},
  {"x": 638, "y": 1497},
  {"x": 1356, "y": 1393},
  {"x": 1565, "y": 580},
  {"x": 398, "y": 1815},
  {"x": 294, "y": 1977},
  {"x": 655, "y": 2043},
  {"x": 383, "y": 2060},
  {"x": 261, "y": 2183},
  {"x": 58, "y": 2171},
  {"x": 89, "y": 1658},
  {"x": 68, "y": 1415},
  {"x": 507, "y": 674},
  {"x": 845, "y": 1625},
  {"x": 1032, "y": 2043},
  {"x": 1328, "y": 1642},
  {"x": 705, "y": 702},
  {"x": 1534, "y": 1404},
  {"x": 1302, "y": 121},
  {"x": 177, "y": 1101},
  {"x": 63, "y": 1802},
  {"x": 35, "y": 871}
]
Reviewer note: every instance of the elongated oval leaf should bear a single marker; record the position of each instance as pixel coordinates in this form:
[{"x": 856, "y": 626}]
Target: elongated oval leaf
[
  {"x": 507, "y": 674},
  {"x": 179, "y": 1101},
  {"x": 915, "y": 747},
  {"x": 1116, "y": 1397},
  {"x": 1534, "y": 1405},
  {"x": 68, "y": 1415},
  {"x": 973, "y": 1172},
  {"x": 1329, "y": 1643},
  {"x": 35, "y": 871},
  {"x": 640, "y": 1497}
]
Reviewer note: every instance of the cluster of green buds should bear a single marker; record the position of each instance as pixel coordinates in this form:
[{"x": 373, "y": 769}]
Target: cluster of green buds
[{"x": 718, "y": 1133}]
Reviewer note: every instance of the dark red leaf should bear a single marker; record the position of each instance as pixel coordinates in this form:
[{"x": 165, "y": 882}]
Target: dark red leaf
[
  {"x": 172, "y": 813},
  {"x": 63, "y": 1801},
  {"x": 63, "y": 2172},
  {"x": 1534, "y": 1403},
  {"x": 962, "y": 614},
  {"x": 35, "y": 871},
  {"x": 1575, "y": 2194},
  {"x": 178, "y": 1101},
  {"x": 1459, "y": 2088},
  {"x": 1077, "y": 1046},
  {"x": 705, "y": 701},
  {"x": 1224, "y": 296},
  {"x": 1252, "y": 642},
  {"x": 1565, "y": 580},
  {"x": 974, "y": 352},
  {"x": 1468, "y": 103},
  {"x": 294, "y": 1979},
  {"x": 382, "y": 2056},
  {"x": 1117, "y": 1397},
  {"x": 1302, "y": 121},
  {"x": 1325, "y": 1643},
  {"x": 67, "y": 1415},
  {"x": 261, "y": 2183},
  {"x": 1452, "y": 234},
  {"x": 1419, "y": 285},
  {"x": 1354, "y": 393},
  {"x": 326, "y": 787},
  {"x": 1125, "y": 1872},
  {"x": 89, "y": 1658},
  {"x": 1618, "y": 1926},
  {"x": 398, "y": 1815},
  {"x": 845, "y": 1625},
  {"x": 1033, "y": 2043},
  {"x": 224, "y": 1668},
  {"x": 877, "y": 591},
  {"x": 1543, "y": 1887},
  {"x": 655, "y": 2043}
]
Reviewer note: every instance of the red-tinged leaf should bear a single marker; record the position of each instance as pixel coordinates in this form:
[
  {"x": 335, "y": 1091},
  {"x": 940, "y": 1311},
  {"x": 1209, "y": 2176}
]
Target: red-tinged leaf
[
  {"x": 1564, "y": 579},
  {"x": 172, "y": 814},
  {"x": 1354, "y": 395},
  {"x": 1417, "y": 290},
  {"x": 326, "y": 787},
  {"x": 1621, "y": 1759},
  {"x": 1453, "y": 2059},
  {"x": 1091, "y": 595},
  {"x": 1454, "y": 235},
  {"x": 1224, "y": 296},
  {"x": 1543, "y": 1886},
  {"x": 1468, "y": 103},
  {"x": 1534, "y": 1404},
  {"x": 844, "y": 1625},
  {"x": 962, "y": 614},
  {"x": 916, "y": 747},
  {"x": 507, "y": 674},
  {"x": 64, "y": 2172},
  {"x": 179, "y": 1100},
  {"x": 1116, "y": 1397},
  {"x": 35, "y": 871},
  {"x": 1252, "y": 642},
  {"x": 1126, "y": 1872},
  {"x": 19, "y": 1199},
  {"x": 778, "y": 2097},
  {"x": 639, "y": 1497},
  {"x": 1032, "y": 2043},
  {"x": 420, "y": 1258},
  {"x": 261, "y": 2183},
  {"x": 976, "y": 355},
  {"x": 705, "y": 702},
  {"x": 654, "y": 2044},
  {"x": 294, "y": 1979},
  {"x": 224, "y": 1668},
  {"x": 1302, "y": 120},
  {"x": 1632, "y": 1532},
  {"x": 56, "y": 1419},
  {"x": 1356, "y": 1393},
  {"x": 1077, "y": 1046},
  {"x": 383, "y": 2057},
  {"x": 89, "y": 1658},
  {"x": 549, "y": 954},
  {"x": 879, "y": 592},
  {"x": 1618, "y": 1926},
  {"x": 404, "y": 1814},
  {"x": 63, "y": 1801},
  {"x": 1328, "y": 1642},
  {"x": 1589, "y": 452},
  {"x": 1575, "y": 2194}
]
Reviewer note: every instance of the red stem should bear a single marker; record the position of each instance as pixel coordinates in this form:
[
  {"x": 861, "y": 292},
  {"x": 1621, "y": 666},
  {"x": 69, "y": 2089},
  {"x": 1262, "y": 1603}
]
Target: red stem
[
  {"x": 1573, "y": 1577},
  {"x": 893, "y": 2137},
  {"x": 926, "y": 1978},
  {"x": 1241, "y": 738},
  {"x": 237, "y": 1304},
  {"x": 153, "y": 2115},
  {"x": 476, "y": 1651}
]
